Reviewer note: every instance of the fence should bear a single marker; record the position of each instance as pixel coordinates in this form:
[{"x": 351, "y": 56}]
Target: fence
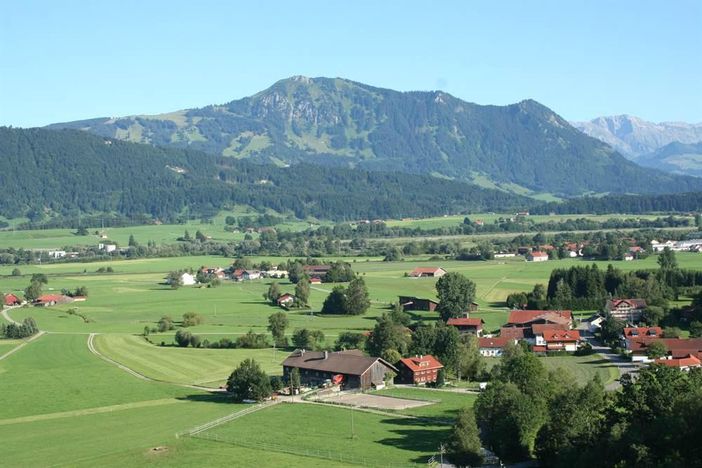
[{"x": 217, "y": 422}]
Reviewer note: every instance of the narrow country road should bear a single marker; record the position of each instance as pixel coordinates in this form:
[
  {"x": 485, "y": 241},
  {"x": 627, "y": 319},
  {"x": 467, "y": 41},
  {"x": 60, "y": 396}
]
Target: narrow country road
[{"x": 7, "y": 317}]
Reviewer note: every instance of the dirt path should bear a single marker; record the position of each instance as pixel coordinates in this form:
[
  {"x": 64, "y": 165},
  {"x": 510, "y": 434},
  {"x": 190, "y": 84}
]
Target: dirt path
[{"x": 7, "y": 317}]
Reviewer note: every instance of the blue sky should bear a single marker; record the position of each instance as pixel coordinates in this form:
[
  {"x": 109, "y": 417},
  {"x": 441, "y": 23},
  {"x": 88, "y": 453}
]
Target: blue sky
[{"x": 68, "y": 60}]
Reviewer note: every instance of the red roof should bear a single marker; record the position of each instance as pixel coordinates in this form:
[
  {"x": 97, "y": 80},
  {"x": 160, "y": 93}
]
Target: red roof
[
  {"x": 523, "y": 317},
  {"x": 538, "y": 254},
  {"x": 560, "y": 336},
  {"x": 284, "y": 297},
  {"x": 51, "y": 298},
  {"x": 424, "y": 270},
  {"x": 632, "y": 332},
  {"x": 540, "y": 328},
  {"x": 466, "y": 322},
  {"x": 513, "y": 333},
  {"x": 420, "y": 363},
  {"x": 495, "y": 342},
  {"x": 635, "y": 303},
  {"x": 688, "y": 361},
  {"x": 678, "y": 347},
  {"x": 11, "y": 299}
]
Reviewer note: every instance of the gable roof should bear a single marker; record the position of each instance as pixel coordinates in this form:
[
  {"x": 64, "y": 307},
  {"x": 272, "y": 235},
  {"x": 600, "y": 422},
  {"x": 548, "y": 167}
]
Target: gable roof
[
  {"x": 687, "y": 361},
  {"x": 538, "y": 253},
  {"x": 513, "y": 333},
  {"x": 541, "y": 328},
  {"x": 420, "y": 363},
  {"x": 52, "y": 298},
  {"x": 494, "y": 342},
  {"x": 350, "y": 362},
  {"x": 523, "y": 317},
  {"x": 557, "y": 336},
  {"x": 423, "y": 270},
  {"x": 466, "y": 322},
  {"x": 631, "y": 332},
  {"x": 11, "y": 299},
  {"x": 634, "y": 303}
]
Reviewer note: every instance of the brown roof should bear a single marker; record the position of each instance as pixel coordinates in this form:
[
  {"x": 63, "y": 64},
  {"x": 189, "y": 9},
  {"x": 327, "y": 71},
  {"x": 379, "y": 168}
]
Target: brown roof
[
  {"x": 420, "y": 363},
  {"x": 635, "y": 303},
  {"x": 677, "y": 347},
  {"x": 495, "y": 342},
  {"x": 513, "y": 333},
  {"x": 632, "y": 332},
  {"x": 423, "y": 270},
  {"x": 523, "y": 317},
  {"x": 540, "y": 328},
  {"x": 466, "y": 322},
  {"x": 351, "y": 362}
]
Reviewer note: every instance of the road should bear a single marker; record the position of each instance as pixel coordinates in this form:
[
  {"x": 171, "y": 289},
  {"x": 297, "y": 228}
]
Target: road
[
  {"x": 7, "y": 317},
  {"x": 623, "y": 365}
]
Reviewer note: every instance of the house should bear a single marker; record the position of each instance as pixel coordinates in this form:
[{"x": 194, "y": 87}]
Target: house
[
  {"x": 47, "y": 300},
  {"x": 492, "y": 347},
  {"x": 315, "y": 280},
  {"x": 107, "y": 247},
  {"x": 252, "y": 275},
  {"x": 554, "y": 339},
  {"x": 238, "y": 274},
  {"x": 349, "y": 369},
  {"x": 537, "y": 256},
  {"x": 636, "y": 250},
  {"x": 685, "y": 363},
  {"x": 12, "y": 300},
  {"x": 465, "y": 325},
  {"x": 628, "y": 310},
  {"x": 415, "y": 303},
  {"x": 639, "y": 332},
  {"x": 418, "y": 369},
  {"x": 285, "y": 300},
  {"x": 528, "y": 318},
  {"x": 56, "y": 254},
  {"x": 316, "y": 271},
  {"x": 628, "y": 257},
  {"x": 427, "y": 272},
  {"x": 594, "y": 324},
  {"x": 677, "y": 347}
]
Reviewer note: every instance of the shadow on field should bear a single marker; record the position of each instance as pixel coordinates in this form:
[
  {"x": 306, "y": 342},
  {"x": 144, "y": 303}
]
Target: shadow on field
[
  {"x": 600, "y": 363},
  {"x": 415, "y": 436},
  {"x": 208, "y": 398}
]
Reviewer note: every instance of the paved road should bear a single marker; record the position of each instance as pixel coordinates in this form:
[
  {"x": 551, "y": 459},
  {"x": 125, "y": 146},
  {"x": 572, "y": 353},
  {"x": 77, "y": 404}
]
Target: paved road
[{"x": 623, "y": 365}]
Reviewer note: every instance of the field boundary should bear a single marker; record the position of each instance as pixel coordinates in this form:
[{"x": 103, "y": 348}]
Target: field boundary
[
  {"x": 224, "y": 419},
  {"x": 22, "y": 345}
]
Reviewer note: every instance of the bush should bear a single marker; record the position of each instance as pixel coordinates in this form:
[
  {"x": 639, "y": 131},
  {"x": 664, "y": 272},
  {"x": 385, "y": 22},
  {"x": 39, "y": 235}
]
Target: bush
[
  {"x": 191, "y": 319},
  {"x": 182, "y": 338}
]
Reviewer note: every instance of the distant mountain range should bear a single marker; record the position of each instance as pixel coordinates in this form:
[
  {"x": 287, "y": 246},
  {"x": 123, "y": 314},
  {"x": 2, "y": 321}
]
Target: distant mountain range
[
  {"x": 523, "y": 148},
  {"x": 669, "y": 146}
]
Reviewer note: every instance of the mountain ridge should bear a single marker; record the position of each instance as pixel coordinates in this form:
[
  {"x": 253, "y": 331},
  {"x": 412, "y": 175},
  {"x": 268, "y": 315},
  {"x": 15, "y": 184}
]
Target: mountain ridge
[{"x": 523, "y": 147}]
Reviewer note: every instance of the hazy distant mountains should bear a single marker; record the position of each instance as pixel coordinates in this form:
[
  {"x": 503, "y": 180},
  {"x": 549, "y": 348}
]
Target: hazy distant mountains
[
  {"x": 523, "y": 148},
  {"x": 669, "y": 146}
]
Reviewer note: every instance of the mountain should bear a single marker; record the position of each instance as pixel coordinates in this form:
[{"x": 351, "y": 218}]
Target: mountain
[
  {"x": 524, "y": 148},
  {"x": 69, "y": 172},
  {"x": 633, "y": 137},
  {"x": 675, "y": 157}
]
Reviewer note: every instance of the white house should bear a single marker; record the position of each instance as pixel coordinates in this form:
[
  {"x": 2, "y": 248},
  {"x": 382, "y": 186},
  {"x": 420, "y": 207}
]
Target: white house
[
  {"x": 57, "y": 253},
  {"x": 109, "y": 248},
  {"x": 186, "y": 279},
  {"x": 537, "y": 256},
  {"x": 252, "y": 274},
  {"x": 493, "y": 346}
]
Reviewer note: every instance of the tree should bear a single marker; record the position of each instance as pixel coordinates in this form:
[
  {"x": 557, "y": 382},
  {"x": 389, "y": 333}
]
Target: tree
[
  {"x": 656, "y": 350},
  {"x": 132, "y": 241},
  {"x": 652, "y": 315},
  {"x": 302, "y": 292},
  {"x": 182, "y": 338},
  {"x": 195, "y": 341},
  {"x": 16, "y": 272},
  {"x": 175, "y": 279},
  {"x": 81, "y": 291},
  {"x": 294, "y": 380},
  {"x": 464, "y": 444},
  {"x": 335, "y": 302},
  {"x": 249, "y": 382},
  {"x": 398, "y": 315},
  {"x": 33, "y": 291},
  {"x": 611, "y": 330},
  {"x": 304, "y": 338},
  {"x": 39, "y": 278},
  {"x": 387, "y": 335},
  {"x": 695, "y": 329},
  {"x": 441, "y": 377},
  {"x": 357, "y": 298},
  {"x": 447, "y": 346},
  {"x": 667, "y": 260},
  {"x": 296, "y": 272},
  {"x": 470, "y": 364},
  {"x": 277, "y": 323},
  {"x": 273, "y": 293},
  {"x": 165, "y": 323},
  {"x": 191, "y": 319},
  {"x": 455, "y": 293},
  {"x": 349, "y": 340}
]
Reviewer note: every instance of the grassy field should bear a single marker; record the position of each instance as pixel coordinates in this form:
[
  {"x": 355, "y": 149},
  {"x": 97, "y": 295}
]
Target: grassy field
[
  {"x": 208, "y": 367},
  {"x": 447, "y": 402},
  {"x": 383, "y": 440},
  {"x": 582, "y": 368}
]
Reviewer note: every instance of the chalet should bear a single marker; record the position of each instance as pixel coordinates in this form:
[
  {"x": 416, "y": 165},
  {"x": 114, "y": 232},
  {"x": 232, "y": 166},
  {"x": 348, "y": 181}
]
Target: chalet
[
  {"x": 536, "y": 256},
  {"x": 47, "y": 300},
  {"x": 684, "y": 363},
  {"x": 628, "y": 310},
  {"x": 677, "y": 347},
  {"x": 418, "y": 370},
  {"x": 554, "y": 339},
  {"x": 11, "y": 300},
  {"x": 528, "y": 318},
  {"x": 468, "y": 326},
  {"x": 349, "y": 369},
  {"x": 637, "y": 332},
  {"x": 427, "y": 272},
  {"x": 285, "y": 300},
  {"x": 316, "y": 271},
  {"x": 415, "y": 303},
  {"x": 252, "y": 275},
  {"x": 492, "y": 347}
]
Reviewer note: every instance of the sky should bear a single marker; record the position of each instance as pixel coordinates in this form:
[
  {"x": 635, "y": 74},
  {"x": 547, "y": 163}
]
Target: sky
[{"x": 66, "y": 60}]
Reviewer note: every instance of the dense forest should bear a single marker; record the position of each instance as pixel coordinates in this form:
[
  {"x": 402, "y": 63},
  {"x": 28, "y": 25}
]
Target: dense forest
[
  {"x": 630, "y": 204},
  {"x": 337, "y": 122},
  {"x": 69, "y": 172}
]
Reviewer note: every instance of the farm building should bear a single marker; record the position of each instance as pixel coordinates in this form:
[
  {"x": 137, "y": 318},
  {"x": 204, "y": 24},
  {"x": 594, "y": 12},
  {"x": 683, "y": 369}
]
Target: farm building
[
  {"x": 553, "y": 339},
  {"x": 12, "y": 300},
  {"x": 427, "y": 272},
  {"x": 537, "y": 256},
  {"x": 47, "y": 300},
  {"x": 492, "y": 347},
  {"x": 285, "y": 300},
  {"x": 685, "y": 363},
  {"x": 628, "y": 310},
  {"x": 316, "y": 271},
  {"x": 418, "y": 369},
  {"x": 415, "y": 303},
  {"x": 349, "y": 369},
  {"x": 527, "y": 318},
  {"x": 465, "y": 325}
]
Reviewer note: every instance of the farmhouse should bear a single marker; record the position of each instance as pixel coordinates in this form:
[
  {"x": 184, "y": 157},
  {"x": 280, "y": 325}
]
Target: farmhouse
[
  {"x": 465, "y": 325},
  {"x": 316, "y": 271},
  {"x": 537, "y": 256},
  {"x": 47, "y": 300},
  {"x": 628, "y": 310},
  {"x": 418, "y": 369},
  {"x": 186, "y": 279},
  {"x": 238, "y": 274},
  {"x": 415, "y": 303},
  {"x": 685, "y": 363},
  {"x": 12, "y": 300},
  {"x": 637, "y": 332},
  {"x": 252, "y": 275},
  {"x": 677, "y": 347},
  {"x": 528, "y": 318},
  {"x": 285, "y": 300},
  {"x": 553, "y": 339},
  {"x": 427, "y": 272},
  {"x": 492, "y": 347},
  {"x": 349, "y": 369}
]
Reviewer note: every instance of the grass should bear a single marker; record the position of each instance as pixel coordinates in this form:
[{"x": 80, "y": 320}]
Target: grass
[
  {"x": 382, "y": 440},
  {"x": 582, "y": 368},
  {"x": 208, "y": 367},
  {"x": 446, "y": 408}
]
